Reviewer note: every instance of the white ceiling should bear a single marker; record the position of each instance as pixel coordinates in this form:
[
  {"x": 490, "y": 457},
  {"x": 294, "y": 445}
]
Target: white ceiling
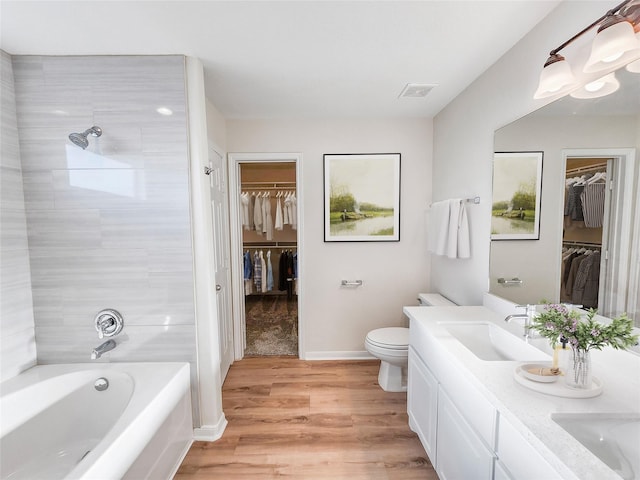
[{"x": 292, "y": 59}]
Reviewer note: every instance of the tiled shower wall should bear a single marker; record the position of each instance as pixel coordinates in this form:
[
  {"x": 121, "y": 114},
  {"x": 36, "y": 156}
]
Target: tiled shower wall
[
  {"x": 17, "y": 340},
  {"x": 109, "y": 226}
]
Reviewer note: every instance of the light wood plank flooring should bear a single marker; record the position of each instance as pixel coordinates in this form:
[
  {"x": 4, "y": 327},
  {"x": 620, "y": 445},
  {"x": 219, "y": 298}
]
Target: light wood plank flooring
[{"x": 309, "y": 420}]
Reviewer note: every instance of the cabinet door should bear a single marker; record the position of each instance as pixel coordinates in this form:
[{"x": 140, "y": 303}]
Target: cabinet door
[
  {"x": 461, "y": 454},
  {"x": 422, "y": 403}
]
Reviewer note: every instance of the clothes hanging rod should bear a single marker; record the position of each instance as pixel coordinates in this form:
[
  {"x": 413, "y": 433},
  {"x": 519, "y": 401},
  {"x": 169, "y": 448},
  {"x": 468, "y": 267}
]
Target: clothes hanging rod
[
  {"x": 591, "y": 168},
  {"x": 581, "y": 244},
  {"x": 284, "y": 189},
  {"x": 272, "y": 245},
  {"x": 274, "y": 184}
]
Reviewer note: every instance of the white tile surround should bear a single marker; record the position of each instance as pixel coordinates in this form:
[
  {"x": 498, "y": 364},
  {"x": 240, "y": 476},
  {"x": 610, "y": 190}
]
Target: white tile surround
[
  {"x": 17, "y": 337},
  {"x": 108, "y": 227}
]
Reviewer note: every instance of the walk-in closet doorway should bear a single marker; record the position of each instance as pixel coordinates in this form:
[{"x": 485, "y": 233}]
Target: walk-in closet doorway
[
  {"x": 266, "y": 250},
  {"x": 609, "y": 176}
]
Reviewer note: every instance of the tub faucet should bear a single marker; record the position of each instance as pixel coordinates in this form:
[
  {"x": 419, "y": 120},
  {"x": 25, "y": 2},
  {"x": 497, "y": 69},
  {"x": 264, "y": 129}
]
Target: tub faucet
[
  {"x": 103, "y": 348},
  {"x": 528, "y": 316}
]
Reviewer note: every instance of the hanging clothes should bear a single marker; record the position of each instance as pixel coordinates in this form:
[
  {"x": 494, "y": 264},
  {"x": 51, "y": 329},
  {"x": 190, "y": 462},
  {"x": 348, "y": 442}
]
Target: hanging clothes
[
  {"x": 251, "y": 205},
  {"x": 248, "y": 273},
  {"x": 293, "y": 213},
  {"x": 279, "y": 225},
  {"x": 244, "y": 202},
  {"x": 573, "y": 208},
  {"x": 257, "y": 215},
  {"x": 257, "y": 272},
  {"x": 295, "y": 273},
  {"x": 269, "y": 272},
  {"x": 263, "y": 272},
  {"x": 267, "y": 219},
  {"x": 287, "y": 209},
  {"x": 592, "y": 199},
  {"x": 282, "y": 271},
  {"x": 588, "y": 274}
]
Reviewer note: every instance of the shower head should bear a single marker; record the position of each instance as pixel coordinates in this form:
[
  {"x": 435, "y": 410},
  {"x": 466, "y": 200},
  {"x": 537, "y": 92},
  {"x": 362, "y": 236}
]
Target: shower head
[{"x": 80, "y": 139}]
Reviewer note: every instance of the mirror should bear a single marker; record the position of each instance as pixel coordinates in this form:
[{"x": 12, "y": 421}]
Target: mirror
[{"x": 575, "y": 133}]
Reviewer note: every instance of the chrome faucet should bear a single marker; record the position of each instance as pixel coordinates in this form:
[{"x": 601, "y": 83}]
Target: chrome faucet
[
  {"x": 528, "y": 316},
  {"x": 102, "y": 349}
]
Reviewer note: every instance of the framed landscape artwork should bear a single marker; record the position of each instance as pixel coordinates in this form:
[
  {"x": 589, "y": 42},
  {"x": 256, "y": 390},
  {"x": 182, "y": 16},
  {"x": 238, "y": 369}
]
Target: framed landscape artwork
[
  {"x": 362, "y": 197},
  {"x": 517, "y": 183}
]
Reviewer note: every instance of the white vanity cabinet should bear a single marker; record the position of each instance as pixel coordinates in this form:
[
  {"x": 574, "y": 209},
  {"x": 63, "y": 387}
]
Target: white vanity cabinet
[
  {"x": 422, "y": 403},
  {"x": 453, "y": 445},
  {"x": 460, "y": 451},
  {"x": 462, "y": 432}
]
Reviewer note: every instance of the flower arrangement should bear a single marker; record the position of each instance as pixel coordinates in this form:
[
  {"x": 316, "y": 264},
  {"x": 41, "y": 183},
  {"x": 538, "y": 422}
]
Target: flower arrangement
[{"x": 559, "y": 323}]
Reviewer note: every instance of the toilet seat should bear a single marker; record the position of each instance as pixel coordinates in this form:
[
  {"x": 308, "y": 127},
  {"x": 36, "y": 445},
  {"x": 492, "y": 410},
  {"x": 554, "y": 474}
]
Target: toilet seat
[{"x": 391, "y": 338}]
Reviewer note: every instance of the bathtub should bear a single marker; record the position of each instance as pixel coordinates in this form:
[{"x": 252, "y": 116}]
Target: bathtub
[{"x": 59, "y": 422}]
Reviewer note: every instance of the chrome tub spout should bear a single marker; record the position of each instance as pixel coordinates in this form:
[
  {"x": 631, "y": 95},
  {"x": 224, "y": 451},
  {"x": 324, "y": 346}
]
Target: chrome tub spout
[{"x": 102, "y": 349}]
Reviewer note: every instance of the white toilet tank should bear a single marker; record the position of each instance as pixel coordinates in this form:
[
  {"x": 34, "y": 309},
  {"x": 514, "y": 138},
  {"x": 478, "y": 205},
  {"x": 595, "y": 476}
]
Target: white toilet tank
[{"x": 434, "y": 300}]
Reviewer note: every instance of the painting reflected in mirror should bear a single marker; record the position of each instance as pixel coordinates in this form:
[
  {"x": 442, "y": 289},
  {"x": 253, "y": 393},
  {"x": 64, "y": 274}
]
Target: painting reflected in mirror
[{"x": 589, "y": 204}]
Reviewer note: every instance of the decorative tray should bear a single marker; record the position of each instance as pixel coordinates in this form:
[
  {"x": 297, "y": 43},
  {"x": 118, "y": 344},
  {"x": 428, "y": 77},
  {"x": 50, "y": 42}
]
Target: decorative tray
[{"x": 559, "y": 388}]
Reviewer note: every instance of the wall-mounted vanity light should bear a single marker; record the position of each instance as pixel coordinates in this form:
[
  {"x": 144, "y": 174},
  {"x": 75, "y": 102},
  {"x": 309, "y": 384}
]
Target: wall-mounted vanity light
[
  {"x": 598, "y": 88},
  {"x": 617, "y": 43}
]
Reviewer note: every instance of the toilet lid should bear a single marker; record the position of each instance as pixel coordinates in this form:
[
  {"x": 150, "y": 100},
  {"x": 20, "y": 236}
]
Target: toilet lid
[{"x": 390, "y": 337}]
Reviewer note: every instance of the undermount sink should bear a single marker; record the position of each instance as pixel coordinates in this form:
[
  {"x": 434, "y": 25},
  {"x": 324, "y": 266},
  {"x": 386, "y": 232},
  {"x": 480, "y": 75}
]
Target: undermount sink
[
  {"x": 613, "y": 438},
  {"x": 490, "y": 342}
]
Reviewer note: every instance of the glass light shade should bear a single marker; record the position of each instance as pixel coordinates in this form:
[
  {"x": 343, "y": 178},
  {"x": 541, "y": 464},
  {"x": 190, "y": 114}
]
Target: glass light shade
[
  {"x": 612, "y": 45},
  {"x": 598, "y": 88},
  {"x": 555, "y": 78}
]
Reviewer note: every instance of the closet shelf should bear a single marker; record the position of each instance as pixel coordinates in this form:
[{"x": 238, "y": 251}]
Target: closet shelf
[{"x": 270, "y": 245}]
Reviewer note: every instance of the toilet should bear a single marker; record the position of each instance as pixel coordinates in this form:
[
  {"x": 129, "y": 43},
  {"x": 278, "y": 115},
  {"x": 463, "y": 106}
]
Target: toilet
[{"x": 391, "y": 346}]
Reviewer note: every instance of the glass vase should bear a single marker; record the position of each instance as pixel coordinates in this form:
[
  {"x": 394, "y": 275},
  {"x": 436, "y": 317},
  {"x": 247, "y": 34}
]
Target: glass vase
[{"x": 578, "y": 374}]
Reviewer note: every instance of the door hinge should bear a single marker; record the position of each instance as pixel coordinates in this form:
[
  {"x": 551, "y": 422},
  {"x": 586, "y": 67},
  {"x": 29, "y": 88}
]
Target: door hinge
[{"x": 208, "y": 170}]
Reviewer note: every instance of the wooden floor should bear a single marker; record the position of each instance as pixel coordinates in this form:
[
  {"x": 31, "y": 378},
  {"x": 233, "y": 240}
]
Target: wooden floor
[{"x": 309, "y": 420}]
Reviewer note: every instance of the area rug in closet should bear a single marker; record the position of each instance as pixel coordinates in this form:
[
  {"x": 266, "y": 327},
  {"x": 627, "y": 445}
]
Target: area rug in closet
[{"x": 272, "y": 325}]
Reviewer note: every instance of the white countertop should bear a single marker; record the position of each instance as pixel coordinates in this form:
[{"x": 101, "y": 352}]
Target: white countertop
[{"x": 528, "y": 411}]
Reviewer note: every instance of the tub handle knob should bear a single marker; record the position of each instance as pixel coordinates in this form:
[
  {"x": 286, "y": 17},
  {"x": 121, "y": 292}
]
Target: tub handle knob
[{"x": 108, "y": 322}]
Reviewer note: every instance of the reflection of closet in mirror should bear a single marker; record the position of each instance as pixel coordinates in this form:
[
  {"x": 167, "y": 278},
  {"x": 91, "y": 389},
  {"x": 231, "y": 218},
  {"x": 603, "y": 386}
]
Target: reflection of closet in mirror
[
  {"x": 269, "y": 238},
  {"x": 585, "y": 216}
]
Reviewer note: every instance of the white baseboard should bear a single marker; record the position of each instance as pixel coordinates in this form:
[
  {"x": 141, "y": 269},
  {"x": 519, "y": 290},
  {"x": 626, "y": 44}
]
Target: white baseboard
[
  {"x": 210, "y": 433},
  {"x": 339, "y": 355}
]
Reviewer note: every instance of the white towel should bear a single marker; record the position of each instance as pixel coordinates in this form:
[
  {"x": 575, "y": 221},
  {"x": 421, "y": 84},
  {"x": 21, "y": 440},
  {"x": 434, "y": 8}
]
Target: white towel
[
  {"x": 438, "y": 227},
  {"x": 448, "y": 233},
  {"x": 463, "y": 243},
  {"x": 452, "y": 228}
]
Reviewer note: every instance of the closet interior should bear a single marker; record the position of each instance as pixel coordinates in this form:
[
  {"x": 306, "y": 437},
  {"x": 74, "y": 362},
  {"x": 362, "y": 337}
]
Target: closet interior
[
  {"x": 269, "y": 236},
  {"x": 586, "y": 190}
]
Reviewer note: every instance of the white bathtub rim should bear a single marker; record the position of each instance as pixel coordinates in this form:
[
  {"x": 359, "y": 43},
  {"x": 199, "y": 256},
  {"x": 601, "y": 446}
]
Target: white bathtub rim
[
  {"x": 143, "y": 416},
  {"x": 29, "y": 397},
  {"x": 153, "y": 400}
]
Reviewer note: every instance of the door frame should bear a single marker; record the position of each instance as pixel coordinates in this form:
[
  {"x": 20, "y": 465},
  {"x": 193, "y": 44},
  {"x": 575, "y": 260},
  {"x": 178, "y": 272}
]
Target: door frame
[
  {"x": 616, "y": 252},
  {"x": 237, "y": 271}
]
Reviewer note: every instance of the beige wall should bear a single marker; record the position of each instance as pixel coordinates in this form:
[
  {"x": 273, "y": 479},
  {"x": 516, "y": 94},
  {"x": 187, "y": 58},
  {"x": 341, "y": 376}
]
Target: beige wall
[{"x": 336, "y": 319}]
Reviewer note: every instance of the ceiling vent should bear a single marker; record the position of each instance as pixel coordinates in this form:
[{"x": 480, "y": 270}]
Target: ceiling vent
[{"x": 416, "y": 90}]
